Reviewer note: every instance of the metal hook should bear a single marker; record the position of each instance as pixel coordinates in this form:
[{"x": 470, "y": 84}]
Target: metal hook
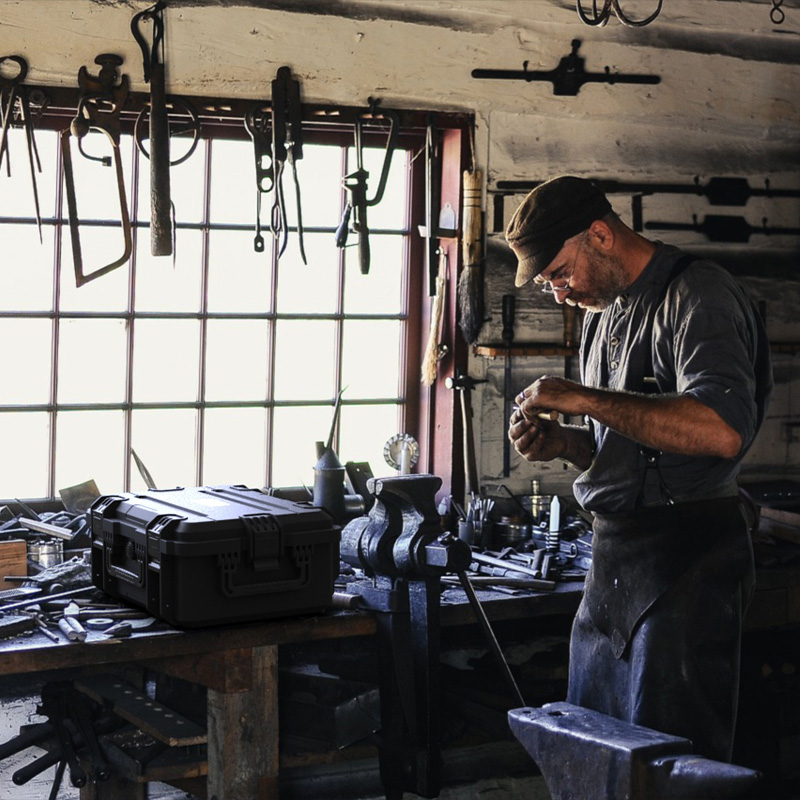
[{"x": 601, "y": 17}]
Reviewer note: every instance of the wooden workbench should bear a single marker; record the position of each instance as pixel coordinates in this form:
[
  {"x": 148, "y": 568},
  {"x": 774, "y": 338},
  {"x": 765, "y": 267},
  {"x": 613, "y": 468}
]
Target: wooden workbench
[{"x": 238, "y": 665}]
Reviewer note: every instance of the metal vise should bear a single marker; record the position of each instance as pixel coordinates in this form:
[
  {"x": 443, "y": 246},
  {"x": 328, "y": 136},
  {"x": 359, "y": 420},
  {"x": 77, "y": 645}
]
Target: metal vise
[
  {"x": 402, "y": 536},
  {"x": 586, "y": 754},
  {"x": 402, "y": 549}
]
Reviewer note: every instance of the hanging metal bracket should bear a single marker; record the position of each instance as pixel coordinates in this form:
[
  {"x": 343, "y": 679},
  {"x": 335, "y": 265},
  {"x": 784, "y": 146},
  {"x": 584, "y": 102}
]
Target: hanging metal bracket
[{"x": 568, "y": 77}]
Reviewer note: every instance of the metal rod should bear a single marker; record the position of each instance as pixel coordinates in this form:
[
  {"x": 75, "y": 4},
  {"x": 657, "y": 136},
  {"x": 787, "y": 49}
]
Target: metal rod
[{"x": 483, "y": 621}]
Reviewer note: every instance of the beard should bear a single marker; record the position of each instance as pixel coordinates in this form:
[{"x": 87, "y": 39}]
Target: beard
[{"x": 606, "y": 282}]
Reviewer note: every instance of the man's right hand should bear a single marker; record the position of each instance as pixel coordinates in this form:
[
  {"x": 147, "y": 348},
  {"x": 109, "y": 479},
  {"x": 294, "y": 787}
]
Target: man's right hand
[{"x": 536, "y": 439}]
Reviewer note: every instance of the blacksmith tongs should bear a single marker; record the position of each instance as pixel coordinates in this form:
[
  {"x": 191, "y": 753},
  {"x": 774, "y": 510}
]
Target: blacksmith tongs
[
  {"x": 287, "y": 144},
  {"x": 12, "y": 92}
]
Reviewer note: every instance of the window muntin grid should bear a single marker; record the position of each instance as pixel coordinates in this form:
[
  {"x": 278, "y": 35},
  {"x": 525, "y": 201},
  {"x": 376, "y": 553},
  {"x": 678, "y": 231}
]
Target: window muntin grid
[{"x": 221, "y": 367}]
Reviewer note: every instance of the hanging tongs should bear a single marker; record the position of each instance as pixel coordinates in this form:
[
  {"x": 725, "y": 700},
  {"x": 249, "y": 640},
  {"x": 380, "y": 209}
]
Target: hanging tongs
[
  {"x": 356, "y": 184},
  {"x": 101, "y": 101},
  {"x": 153, "y": 67},
  {"x": 287, "y": 145},
  {"x": 15, "y": 102}
]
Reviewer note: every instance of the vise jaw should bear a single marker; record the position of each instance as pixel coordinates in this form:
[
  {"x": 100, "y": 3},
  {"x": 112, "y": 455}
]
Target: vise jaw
[
  {"x": 402, "y": 536},
  {"x": 586, "y": 754}
]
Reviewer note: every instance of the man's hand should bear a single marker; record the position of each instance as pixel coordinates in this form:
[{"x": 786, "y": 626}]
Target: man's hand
[
  {"x": 549, "y": 393},
  {"x": 535, "y": 439}
]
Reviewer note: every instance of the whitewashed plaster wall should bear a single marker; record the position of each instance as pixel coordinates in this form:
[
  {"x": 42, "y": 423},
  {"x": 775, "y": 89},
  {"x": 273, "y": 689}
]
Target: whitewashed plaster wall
[{"x": 726, "y": 106}]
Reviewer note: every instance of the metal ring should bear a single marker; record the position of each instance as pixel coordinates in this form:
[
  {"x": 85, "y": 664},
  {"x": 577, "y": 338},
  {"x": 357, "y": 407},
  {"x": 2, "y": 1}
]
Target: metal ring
[{"x": 193, "y": 127}]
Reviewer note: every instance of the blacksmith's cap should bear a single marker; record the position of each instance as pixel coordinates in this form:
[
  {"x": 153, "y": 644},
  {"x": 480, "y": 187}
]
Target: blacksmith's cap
[{"x": 552, "y": 213}]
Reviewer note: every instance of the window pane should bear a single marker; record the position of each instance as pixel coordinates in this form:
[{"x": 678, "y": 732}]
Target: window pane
[
  {"x": 166, "y": 442},
  {"x": 319, "y": 173},
  {"x": 233, "y": 183},
  {"x": 100, "y": 246},
  {"x": 26, "y": 279},
  {"x": 371, "y": 357},
  {"x": 96, "y": 189},
  {"x": 380, "y": 292},
  {"x": 390, "y": 213},
  {"x": 166, "y": 358},
  {"x": 304, "y": 360},
  {"x": 26, "y": 362},
  {"x": 162, "y": 286},
  {"x": 235, "y": 446},
  {"x": 236, "y": 359},
  {"x": 363, "y": 432},
  {"x": 16, "y": 190},
  {"x": 28, "y": 434},
  {"x": 238, "y": 277},
  {"x": 296, "y": 280},
  {"x": 92, "y": 360},
  {"x": 185, "y": 183},
  {"x": 295, "y": 430},
  {"x": 89, "y": 446}
]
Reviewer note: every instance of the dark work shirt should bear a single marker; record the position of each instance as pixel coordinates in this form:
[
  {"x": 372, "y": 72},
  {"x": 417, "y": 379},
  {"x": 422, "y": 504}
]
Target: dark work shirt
[{"x": 702, "y": 340}]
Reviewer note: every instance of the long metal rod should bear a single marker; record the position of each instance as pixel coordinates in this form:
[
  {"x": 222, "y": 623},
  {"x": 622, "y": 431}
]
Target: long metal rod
[{"x": 483, "y": 621}]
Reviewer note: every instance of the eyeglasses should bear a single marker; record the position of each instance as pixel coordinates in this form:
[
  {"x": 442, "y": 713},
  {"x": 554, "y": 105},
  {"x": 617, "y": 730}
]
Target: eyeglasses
[{"x": 549, "y": 286}]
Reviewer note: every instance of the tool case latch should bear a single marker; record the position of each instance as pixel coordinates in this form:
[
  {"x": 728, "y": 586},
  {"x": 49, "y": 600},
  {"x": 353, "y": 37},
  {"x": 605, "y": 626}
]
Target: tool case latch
[
  {"x": 263, "y": 540},
  {"x": 154, "y": 532}
]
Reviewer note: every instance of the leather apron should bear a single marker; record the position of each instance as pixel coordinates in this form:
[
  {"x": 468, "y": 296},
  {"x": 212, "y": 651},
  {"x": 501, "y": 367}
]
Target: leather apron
[{"x": 656, "y": 638}]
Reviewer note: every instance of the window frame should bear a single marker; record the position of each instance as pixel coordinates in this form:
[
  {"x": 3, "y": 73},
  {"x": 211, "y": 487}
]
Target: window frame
[{"x": 429, "y": 414}]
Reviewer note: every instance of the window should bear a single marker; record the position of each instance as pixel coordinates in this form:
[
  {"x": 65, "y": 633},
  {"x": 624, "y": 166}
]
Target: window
[{"x": 222, "y": 367}]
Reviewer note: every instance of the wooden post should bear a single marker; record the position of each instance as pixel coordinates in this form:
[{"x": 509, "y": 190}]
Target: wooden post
[{"x": 243, "y": 735}]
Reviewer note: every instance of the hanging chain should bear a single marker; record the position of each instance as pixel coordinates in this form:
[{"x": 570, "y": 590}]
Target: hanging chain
[
  {"x": 776, "y": 13},
  {"x": 599, "y": 17}
]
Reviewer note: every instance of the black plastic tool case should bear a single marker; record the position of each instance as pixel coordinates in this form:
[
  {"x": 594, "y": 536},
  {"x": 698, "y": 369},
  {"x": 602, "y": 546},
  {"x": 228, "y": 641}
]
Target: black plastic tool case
[{"x": 213, "y": 555}]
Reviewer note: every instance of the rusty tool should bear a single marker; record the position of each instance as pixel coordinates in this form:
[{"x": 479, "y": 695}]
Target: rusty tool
[
  {"x": 15, "y": 100},
  {"x": 99, "y": 108},
  {"x": 153, "y": 62},
  {"x": 356, "y": 183}
]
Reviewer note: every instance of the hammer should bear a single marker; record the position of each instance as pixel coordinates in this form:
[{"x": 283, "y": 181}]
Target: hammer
[{"x": 464, "y": 385}]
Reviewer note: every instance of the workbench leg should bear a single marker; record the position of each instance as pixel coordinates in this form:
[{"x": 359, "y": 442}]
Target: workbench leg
[
  {"x": 243, "y": 735},
  {"x": 115, "y": 788}
]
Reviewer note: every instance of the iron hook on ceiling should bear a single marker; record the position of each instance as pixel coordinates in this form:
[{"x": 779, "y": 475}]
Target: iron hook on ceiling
[{"x": 600, "y": 16}]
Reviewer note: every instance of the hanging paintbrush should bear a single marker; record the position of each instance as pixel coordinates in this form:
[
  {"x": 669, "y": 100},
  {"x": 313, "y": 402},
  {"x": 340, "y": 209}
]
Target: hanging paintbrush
[
  {"x": 434, "y": 349},
  {"x": 470, "y": 282}
]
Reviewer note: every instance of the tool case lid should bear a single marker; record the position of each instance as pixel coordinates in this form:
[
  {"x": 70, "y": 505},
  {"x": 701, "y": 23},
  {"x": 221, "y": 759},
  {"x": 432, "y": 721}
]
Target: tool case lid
[{"x": 207, "y": 519}]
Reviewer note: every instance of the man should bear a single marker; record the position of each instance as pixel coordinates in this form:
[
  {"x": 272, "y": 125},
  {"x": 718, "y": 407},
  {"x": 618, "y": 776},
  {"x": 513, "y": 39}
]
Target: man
[{"x": 675, "y": 383}]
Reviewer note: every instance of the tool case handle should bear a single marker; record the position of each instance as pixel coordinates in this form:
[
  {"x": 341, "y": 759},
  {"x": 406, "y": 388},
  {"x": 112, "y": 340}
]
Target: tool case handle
[
  {"x": 230, "y": 561},
  {"x": 115, "y": 547}
]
